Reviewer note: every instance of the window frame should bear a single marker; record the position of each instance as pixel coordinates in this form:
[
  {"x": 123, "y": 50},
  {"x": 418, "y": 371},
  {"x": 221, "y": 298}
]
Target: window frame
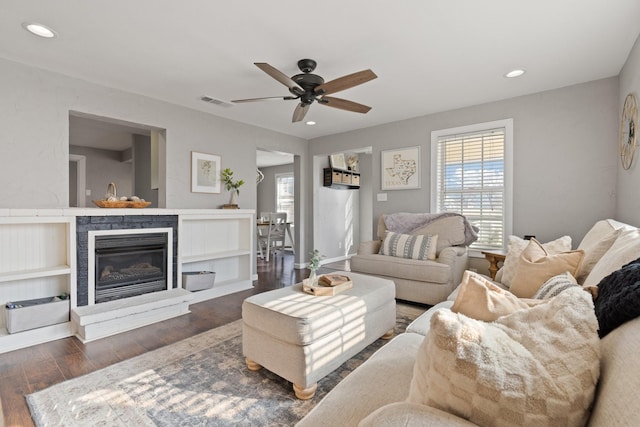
[{"x": 507, "y": 125}]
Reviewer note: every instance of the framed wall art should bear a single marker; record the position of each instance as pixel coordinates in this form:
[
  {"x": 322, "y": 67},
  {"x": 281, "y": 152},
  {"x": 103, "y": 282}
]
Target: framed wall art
[
  {"x": 337, "y": 161},
  {"x": 205, "y": 173},
  {"x": 401, "y": 168}
]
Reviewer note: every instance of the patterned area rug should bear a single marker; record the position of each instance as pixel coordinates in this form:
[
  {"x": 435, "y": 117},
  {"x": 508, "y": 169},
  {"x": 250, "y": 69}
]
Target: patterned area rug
[{"x": 200, "y": 381}]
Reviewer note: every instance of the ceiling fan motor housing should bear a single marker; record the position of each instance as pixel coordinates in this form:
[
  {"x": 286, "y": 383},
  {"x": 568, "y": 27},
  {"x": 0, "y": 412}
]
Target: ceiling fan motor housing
[{"x": 308, "y": 82}]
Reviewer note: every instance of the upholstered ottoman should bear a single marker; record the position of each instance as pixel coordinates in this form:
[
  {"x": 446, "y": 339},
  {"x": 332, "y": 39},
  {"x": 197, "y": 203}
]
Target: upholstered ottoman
[{"x": 302, "y": 337}]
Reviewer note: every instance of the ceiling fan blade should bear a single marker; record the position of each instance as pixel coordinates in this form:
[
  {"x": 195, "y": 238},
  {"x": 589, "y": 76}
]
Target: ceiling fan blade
[
  {"x": 268, "y": 98},
  {"x": 279, "y": 76},
  {"x": 345, "y": 82},
  {"x": 300, "y": 112},
  {"x": 343, "y": 104}
]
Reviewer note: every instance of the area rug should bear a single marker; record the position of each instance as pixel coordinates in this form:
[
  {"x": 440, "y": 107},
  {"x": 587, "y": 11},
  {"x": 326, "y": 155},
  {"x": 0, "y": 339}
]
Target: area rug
[{"x": 200, "y": 381}]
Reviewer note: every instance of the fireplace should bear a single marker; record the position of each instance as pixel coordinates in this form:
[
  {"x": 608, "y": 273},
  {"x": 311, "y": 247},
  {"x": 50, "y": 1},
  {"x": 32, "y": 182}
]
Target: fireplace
[
  {"x": 127, "y": 263},
  {"x": 130, "y": 264},
  {"x": 88, "y": 228}
]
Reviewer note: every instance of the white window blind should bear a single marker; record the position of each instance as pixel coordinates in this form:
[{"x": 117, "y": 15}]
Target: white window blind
[{"x": 471, "y": 181}]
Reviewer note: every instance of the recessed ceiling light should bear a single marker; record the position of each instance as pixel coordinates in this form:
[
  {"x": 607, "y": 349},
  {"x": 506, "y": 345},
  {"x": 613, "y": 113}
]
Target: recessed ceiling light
[
  {"x": 515, "y": 73},
  {"x": 39, "y": 30},
  {"x": 311, "y": 123}
]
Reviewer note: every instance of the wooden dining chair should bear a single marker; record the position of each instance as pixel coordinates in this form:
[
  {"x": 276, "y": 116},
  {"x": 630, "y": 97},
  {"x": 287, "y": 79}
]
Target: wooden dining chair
[{"x": 272, "y": 238}]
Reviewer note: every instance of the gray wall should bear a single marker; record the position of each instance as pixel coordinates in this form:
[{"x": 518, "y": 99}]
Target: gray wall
[
  {"x": 142, "y": 170},
  {"x": 566, "y": 167},
  {"x": 34, "y": 118},
  {"x": 267, "y": 188},
  {"x": 104, "y": 167},
  {"x": 628, "y": 195},
  {"x": 565, "y": 163}
]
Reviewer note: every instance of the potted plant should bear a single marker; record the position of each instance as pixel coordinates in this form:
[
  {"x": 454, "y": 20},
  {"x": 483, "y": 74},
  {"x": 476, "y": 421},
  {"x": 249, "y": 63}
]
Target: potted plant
[{"x": 231, "y": 185}]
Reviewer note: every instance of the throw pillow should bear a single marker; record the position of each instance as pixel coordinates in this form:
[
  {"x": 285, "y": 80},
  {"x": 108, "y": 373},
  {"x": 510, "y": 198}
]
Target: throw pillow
[
  {"x": 418, "y": 246},
  {"x": 555, "y": 285},
  {"x": 516, "y": 245},
  {"x": 624, "y": 250},
  {"x": 480, "y": 299},
  {"x": 536, "y": 266},
  {"x": 593, "y": 251},
  {"x": 532, "y": 367},
  {"x": 618, "y": 298}
]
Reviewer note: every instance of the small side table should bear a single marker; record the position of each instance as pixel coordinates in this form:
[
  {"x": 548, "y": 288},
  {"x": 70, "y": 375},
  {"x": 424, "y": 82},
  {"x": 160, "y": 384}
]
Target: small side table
[{"x": 494, "y": 257}]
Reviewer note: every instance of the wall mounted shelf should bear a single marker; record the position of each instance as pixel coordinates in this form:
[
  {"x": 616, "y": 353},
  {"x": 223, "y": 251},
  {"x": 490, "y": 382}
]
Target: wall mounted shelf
[{"x": 341, "y": 179}]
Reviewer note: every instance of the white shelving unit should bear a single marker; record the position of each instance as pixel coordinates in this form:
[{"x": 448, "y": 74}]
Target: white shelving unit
[
  {"x": 37, "y": 260},
  {"x": 221, "y": 242}
]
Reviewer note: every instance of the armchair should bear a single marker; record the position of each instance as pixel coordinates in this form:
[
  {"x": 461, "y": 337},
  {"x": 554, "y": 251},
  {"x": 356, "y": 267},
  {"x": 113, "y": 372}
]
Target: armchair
[{"x": 427, "y": 281}]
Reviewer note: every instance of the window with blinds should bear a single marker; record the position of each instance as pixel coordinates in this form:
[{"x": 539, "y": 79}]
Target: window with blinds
[
  {"x": 470, "y": 180},
  {"x": 285, "y": 200}
]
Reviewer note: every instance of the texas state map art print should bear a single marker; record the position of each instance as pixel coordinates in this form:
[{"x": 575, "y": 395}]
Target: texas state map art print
[{"x": 401, "y": 169}]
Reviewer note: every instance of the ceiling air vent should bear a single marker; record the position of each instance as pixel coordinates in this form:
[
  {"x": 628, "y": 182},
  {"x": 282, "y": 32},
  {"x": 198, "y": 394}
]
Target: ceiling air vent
[{"x": 214, "y": 101}]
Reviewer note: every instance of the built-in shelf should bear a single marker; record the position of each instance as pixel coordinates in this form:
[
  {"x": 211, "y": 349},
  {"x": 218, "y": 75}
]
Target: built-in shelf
[
  {"x": 222, "y": 244},
  {"x": 212, "y": 256},
  {"x": 341, "y": 179},
  {"x": 35, "y": 273}
]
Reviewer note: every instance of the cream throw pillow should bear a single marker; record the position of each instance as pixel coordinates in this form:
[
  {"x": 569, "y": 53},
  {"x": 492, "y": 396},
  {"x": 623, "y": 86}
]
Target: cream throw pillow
[
  {"x": 536, "y": 266},
  {"x": 625, "y": 249},
  {"x": 480, "y": 299},
  {"x": 593, "y": 251},
  {"x": 515, "y": 246},
  {"x": 534, "y": 367}
]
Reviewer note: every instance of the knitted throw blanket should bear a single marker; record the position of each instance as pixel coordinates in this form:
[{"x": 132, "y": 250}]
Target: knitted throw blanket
[{"x": 405, "y": 223}]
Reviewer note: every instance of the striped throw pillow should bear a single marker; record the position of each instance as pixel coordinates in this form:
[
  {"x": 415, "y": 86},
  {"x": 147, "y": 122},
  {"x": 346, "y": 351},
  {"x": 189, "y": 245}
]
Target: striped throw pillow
[
  {"x": 419, "y": 246},
  {"x": 555, "y": 285}
]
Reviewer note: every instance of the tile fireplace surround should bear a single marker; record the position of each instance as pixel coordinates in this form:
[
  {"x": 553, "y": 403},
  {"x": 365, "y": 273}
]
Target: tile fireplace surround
[{"x": 43, "y": 253}]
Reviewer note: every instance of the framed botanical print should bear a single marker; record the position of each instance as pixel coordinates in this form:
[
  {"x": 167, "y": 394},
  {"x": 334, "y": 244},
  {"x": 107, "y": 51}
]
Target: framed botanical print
[{"x": 205, "y": 173}]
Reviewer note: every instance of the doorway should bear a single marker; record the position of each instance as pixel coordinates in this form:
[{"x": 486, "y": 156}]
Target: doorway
[
  {"x": 77, "y": 181},
  {"x": 275, "y": 186}
]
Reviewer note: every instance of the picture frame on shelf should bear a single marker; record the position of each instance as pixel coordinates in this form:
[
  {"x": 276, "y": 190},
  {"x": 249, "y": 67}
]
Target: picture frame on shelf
[
  {"x": 401, "y": 169},
  {"x": 205, "y": 173},
  {"x": 338, "y": 161}
]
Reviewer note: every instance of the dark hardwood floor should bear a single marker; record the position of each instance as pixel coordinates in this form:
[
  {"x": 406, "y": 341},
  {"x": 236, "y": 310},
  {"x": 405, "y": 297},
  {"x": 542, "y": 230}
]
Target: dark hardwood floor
[{"x": 31, "y": 369}]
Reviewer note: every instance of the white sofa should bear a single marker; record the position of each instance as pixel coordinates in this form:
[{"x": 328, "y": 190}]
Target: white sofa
[
  {"x": 375, "y": 394},
  {"x": 422, "y": 281}
]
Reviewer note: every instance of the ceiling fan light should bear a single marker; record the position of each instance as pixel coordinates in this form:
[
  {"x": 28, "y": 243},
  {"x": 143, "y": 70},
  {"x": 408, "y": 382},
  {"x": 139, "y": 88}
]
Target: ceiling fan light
[
  {"x": 311, "y": 123},
  {"x": 39, "y": 30},
  {"x": 515, "y": 73}
]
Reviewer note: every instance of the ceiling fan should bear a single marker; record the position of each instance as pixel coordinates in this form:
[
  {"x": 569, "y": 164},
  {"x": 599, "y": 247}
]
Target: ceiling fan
[{"x": 308, "y": 87}]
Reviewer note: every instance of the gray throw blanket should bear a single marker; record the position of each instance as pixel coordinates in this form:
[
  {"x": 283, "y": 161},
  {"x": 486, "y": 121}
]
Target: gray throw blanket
[{"x": 405, "y": 223}]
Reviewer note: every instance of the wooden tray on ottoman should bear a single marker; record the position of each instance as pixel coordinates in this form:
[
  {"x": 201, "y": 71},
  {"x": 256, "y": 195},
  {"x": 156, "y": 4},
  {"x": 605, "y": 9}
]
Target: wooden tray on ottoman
[{"x": 322, "y": 290}]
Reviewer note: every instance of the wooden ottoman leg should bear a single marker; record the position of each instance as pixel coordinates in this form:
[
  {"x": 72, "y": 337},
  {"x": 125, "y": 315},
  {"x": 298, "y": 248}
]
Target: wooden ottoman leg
[
  {"x": 388, "y": 335},
  {"x": 305, "y": 393},
  {"x": 253, "y": 366}
]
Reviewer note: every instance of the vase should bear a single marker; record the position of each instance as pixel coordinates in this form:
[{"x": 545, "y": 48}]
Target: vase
[
  {"x": 313, "y": 278},
  {"x": 234, "y": 197}
]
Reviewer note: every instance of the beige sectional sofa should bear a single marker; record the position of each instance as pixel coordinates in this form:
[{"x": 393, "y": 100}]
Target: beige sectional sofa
[
  {"x": 376, "y": 393},
  {"x": 423, "y": 281}
]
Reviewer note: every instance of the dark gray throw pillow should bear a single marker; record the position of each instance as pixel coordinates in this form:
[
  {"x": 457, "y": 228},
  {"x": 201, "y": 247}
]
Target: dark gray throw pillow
[{"x": 618, "y": 298}]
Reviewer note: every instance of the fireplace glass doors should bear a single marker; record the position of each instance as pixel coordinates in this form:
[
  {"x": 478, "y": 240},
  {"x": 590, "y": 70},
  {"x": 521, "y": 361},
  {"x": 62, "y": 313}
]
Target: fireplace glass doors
[{"x": 130, "y": 264}]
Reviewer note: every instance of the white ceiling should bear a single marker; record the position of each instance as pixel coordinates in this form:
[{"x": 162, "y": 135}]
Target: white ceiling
[{"x": 429, "y": 55}]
